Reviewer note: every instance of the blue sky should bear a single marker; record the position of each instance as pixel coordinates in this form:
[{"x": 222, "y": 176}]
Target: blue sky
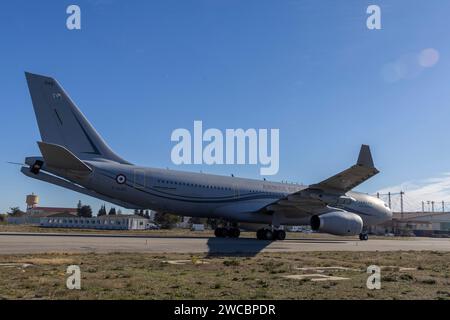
[{"x": 140, "y": 69}]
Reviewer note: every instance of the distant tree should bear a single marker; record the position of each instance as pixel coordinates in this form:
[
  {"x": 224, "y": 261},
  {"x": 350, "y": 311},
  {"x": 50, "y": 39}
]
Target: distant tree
[
  {"x": 2, "y": 218},
  {"x": 14, "y": 211},
  {"x": 79, "y": 206},
  {"x": 166, "y": 220},
  {"x": 136, "y": 212},
  {"x": 147, "y": 214},
  {"x": 102, "y": 211},
  {"x": 112, "y": 212},
  {"x": 119, "y": 212},
  {"x": 85, "y": 212}
]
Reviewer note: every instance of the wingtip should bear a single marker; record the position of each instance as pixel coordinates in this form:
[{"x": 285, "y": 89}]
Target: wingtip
[{"x": 365, "y": 157}]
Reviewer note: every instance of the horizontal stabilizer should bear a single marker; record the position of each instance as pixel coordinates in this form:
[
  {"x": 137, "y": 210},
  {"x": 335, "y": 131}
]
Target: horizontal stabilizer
[{"x": 58, "y": 157}]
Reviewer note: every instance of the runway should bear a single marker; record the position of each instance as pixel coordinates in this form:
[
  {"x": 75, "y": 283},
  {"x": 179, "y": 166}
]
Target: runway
[{"x": 17, "y": 243}]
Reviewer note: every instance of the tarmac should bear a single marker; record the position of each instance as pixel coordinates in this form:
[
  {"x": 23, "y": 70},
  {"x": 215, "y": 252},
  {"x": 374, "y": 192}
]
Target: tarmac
[{"x": 27, "y": 243}]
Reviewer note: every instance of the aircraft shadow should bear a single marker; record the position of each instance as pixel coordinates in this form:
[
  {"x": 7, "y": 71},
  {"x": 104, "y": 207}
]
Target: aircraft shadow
[{"x": 235, "y": 247}]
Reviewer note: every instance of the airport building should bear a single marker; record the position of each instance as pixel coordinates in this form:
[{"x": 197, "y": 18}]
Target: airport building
[
  {"x": 34, "y": 217},
  {"x": 54, "y": 217},
  {"x": 185, "y": 223},
  {"x": 417, "y": 224},
  {"x": 51, "y": 210},
  {"x": 108, "y": 222},
  {"x": 34, "y": 214}
]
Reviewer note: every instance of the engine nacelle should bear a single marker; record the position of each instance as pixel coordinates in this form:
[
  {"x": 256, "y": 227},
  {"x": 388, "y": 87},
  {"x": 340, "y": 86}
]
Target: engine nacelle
[{"x": 340, "y": 223}]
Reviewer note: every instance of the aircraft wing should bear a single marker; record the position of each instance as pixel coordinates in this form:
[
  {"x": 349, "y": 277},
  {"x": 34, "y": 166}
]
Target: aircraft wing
[
  {"x": 352, "y": 177},
  {"x": 297, "y": 205},
  {"x": 317, "y": 198}
]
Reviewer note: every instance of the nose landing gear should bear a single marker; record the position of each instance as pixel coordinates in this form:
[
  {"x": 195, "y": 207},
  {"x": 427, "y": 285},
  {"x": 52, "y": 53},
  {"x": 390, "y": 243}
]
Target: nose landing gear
[{"x": 363, "y": 236}]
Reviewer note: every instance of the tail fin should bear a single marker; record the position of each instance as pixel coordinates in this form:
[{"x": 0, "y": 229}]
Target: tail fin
[{"x": 62, "y": 123}]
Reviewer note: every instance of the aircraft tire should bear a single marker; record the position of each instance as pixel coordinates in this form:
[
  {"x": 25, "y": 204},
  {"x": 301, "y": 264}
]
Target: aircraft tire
[
  {"x": 268, "y": 234},
  {"x": 259, "y": 234},
  {"x": 220, "y": 232},
  {"x": 265, "y": 234},
  {"x": 280, "y": 235},
  {"x": 234, "y": 233}
]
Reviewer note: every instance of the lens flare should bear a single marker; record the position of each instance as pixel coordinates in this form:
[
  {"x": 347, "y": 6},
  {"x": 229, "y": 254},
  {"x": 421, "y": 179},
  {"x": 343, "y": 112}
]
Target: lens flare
[{"x": 429, "y": 57}]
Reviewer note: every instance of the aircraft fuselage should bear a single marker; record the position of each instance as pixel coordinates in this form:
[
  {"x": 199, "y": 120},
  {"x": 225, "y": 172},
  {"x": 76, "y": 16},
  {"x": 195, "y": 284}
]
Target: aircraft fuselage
[{"x": 206, "y": 195}]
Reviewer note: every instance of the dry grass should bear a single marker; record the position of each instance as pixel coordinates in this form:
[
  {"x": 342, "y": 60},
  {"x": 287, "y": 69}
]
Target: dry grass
[
  {"x": 55, "y": 261},
  {"x": 149, "y": 276}
]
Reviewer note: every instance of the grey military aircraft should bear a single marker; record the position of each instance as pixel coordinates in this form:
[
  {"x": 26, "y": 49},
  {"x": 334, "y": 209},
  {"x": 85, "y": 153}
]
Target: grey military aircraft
[{"x": 75, "y": 157}]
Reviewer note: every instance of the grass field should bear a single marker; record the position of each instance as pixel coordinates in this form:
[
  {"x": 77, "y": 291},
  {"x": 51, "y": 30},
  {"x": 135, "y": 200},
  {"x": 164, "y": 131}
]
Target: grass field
[{"x": 150, "y": 276}]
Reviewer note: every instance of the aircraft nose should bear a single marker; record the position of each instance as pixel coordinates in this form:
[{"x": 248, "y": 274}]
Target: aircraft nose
[{"x": 389, "y": 213}]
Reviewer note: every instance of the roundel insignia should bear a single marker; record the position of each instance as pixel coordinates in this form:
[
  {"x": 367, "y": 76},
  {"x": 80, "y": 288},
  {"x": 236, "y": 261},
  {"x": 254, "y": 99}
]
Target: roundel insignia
[{"x": 121, "y": 179}]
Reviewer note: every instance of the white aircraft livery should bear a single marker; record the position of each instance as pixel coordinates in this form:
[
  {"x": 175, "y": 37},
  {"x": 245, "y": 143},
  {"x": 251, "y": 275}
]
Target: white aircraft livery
[{"x": 74, "y": 156}]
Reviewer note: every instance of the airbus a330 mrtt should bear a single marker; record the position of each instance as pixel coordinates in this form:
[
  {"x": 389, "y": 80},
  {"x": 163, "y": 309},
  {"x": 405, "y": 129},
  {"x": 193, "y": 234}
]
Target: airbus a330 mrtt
[{"x": 74, "y": 156}]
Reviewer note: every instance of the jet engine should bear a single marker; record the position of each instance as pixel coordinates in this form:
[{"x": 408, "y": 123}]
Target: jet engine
[{"x": 340, "y": 223}]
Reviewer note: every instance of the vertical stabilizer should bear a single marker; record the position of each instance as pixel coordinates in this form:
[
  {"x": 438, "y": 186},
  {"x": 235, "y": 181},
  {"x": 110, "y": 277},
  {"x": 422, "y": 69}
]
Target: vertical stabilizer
[{"x": 62, "y": 123}]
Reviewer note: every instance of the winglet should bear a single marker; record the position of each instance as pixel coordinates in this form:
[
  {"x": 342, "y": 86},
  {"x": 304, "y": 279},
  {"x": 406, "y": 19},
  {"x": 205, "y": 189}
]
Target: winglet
[{"x": 365, "y": 157}]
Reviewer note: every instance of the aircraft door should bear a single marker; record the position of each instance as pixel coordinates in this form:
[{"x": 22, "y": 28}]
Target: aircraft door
[
  {"x": 236, "y": 191},
  {"x": 139, "y": 179}
]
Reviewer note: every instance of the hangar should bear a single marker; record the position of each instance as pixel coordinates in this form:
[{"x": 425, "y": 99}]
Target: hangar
[{"x": 416, "y": 223}]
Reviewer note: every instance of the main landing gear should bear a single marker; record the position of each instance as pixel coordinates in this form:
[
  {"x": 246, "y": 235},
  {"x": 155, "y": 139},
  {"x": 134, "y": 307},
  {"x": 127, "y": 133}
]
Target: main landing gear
[
  {"x": 363, "y": 236},
  {"x": 227, "y": 232},
  {"x": 269, "y": 234}
]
